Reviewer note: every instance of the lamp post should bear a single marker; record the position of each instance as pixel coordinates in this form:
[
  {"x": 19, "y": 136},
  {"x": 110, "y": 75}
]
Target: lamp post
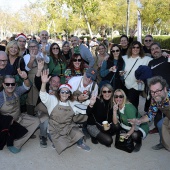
[{"x": 127, "y": 19}]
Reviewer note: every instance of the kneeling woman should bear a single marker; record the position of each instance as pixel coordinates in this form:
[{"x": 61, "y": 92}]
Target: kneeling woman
[
  {"x": 122, "y": 111},
  {"x": 61, "y": 108},
  {"x": 100, "y": 110}
]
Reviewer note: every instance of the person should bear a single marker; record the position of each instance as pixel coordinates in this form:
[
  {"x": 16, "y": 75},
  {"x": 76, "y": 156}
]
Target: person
[
  {"x": 124, "y": 110},
  {"x": 3, "y": 45},
  {"x": 57, "y": 64},
  {"x": 10, "y": 105},
  {"x": 160, "y": 100},
  {"x": 93, "y": 46},
  {"x": 84, "y": 51},
  {"x": 148, "y": 40},
  {"x": 134, "y": 58},
  {"x": 64, "y": 132},
  {"x": 99, "y": 110},
  {"x": 21, "y": 41},
  {"x": 76, "y": 67},
  {"x": 66, "y": 51},
  {"x": 110, "y": 68}
]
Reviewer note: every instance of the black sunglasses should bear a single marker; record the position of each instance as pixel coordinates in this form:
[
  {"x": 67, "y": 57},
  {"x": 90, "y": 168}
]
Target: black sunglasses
[
  {"x": 55, "y": 48},
  {"x": 66, "y": 92},
  {"x": 8, "y": 84},
  {"x": 118, "y": 96},
  {"x": 148, "y": 40},
  {"x": 135, "y": 47},
  {"x": 113, "y": 51},
  {"x": 104, "y": 91},
  {"x": 75, "y": 60}
]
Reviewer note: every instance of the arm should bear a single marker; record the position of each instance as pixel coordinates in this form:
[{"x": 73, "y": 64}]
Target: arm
[
  {"x": 24, "y": 76},
  {"x": 44, "y": 79},
  {"x": 91, "y": 104},
  {"x": 103, "y": 70}
]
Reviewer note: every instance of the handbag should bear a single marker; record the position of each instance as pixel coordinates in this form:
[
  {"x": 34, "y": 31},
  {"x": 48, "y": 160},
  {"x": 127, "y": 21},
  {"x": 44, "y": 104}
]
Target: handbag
[{"x": 123, "y": 144}]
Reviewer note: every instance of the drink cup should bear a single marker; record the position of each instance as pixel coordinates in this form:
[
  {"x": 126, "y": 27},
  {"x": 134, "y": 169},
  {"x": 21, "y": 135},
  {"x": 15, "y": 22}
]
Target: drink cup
[
  {"x": 121, "y": 138},
  {"x": 168, "y": 59},
  {"x": 105, "y": 125},
  {"x": 140, "y": 86}
]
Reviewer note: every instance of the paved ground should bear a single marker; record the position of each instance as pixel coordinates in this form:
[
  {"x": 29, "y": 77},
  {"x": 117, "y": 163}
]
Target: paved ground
[{"x": 100, "y": 158}]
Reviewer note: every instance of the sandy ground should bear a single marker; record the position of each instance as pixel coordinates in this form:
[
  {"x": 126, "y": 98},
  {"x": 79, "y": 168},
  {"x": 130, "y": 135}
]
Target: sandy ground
[{"x": 100, "y": 157}]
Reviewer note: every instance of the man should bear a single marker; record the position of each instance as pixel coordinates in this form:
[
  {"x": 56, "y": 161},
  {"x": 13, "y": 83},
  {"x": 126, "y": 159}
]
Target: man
[
  {"x": 21, "y": 40},
  {"x": 84, "y": 51},
  {"x": 10, "y": 105},
  {"x": 148, "y": 40},
  {"x": 160, "y": 101},
  {"x": 93, "y": 46}
]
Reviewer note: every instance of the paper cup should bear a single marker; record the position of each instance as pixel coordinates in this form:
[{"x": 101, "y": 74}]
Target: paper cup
[
  {"x": 105, "y": 125},
  {"x": 140, "y": 86}
]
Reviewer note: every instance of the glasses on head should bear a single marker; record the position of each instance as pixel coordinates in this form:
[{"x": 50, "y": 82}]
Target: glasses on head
[
  {"x": 113, "y": 51},
  {"x": 137, "y": 47},
  {"x": 8, "y": 84},
  {"x": 156, "y": 92},
  {"x": 65, "y": 91},
  {"x": 77, "y": 60},
  {"x": 104, "y": 91},
  {"x": 4, "y": 61},
  {"x": 55, "y": 48},
  {"x": 148, "y": 40},
  {"x": 118, "y": 96}
]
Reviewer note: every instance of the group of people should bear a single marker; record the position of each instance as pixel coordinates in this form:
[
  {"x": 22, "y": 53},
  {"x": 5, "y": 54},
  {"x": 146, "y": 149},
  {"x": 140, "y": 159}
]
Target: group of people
[{"x": 69, "y": 93}]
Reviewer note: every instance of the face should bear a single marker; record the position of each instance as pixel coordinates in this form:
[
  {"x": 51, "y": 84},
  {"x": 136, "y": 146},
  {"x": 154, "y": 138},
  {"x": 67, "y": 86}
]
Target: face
[
  {"x": 106, "y": 93},
  {"x": 77, "y": 62},
  {"x": 3, "y": 61},
  {"x": 87, "y": 80},
  {"x": 74, "y": 41},
  {"x": 124, "y": 42},
  {"x": 64, "y": 94},
  {"x": 9, "y": 85},
  {"x": 119, "y": 98},
  {"x": 156, "y": 51},
  {"x": 148, "y": 41},
  {"x": 66, "y": 48},
  {"x": 158, "y": 93},
  {"x": 54, "y": 83},
  {"x": 135, "y": 50},
  {"x": 13, "y": 50},
  {"x": 115, "y": 52},
  {"x": 44, "y": 36},
  {"x": 21, "y": 43},
  {"x": 33, "y": 48},
  {"x": 101, "y": 50},
  {"x": 55, "y": 49}
]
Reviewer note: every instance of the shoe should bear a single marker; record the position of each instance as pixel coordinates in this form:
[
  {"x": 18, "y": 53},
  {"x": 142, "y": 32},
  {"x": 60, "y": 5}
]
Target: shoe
[
  {"x": 94, "y": 140},
  {"x": 53, "y": 146},
  {"x": 32, "y": 136},
  {"x": 84, "y": 147},
  {"x": 13, "y": 149},
  {"x": 43, "y": 142},
  {"x": 137, "y": 147},
  {"x": 158, "y": 146},
  {"x": 154, "y": 130}
]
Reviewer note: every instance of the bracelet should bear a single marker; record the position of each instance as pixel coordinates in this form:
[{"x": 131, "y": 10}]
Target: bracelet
[{"x": 26, "y": 78}]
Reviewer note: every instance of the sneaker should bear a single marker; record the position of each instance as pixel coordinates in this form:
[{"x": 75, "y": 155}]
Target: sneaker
[
  {"x": 84, "y": 147},
  {"x": 13, "y": 149},
  {"x": 154, "y": 130},
  {"x": 53, "y": 146},
  {"x": 43, "y": 142},
  {"x": 158, "y": 146}
]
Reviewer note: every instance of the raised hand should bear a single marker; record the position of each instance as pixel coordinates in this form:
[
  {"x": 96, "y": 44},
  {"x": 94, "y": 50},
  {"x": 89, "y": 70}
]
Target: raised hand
[
  {"x": 93, "y": 99},
  {"x": 44, "y": 76},
  {"x": 132, "y": 32},
  {"x": 40, "y": 64},
  {"x": 22, "y": 74},
  {"x": 115, "y": 106}
]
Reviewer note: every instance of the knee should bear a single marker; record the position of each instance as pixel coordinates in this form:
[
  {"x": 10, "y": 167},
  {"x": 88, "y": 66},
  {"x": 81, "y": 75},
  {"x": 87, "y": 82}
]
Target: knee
[{"x": 104, "y": 139}]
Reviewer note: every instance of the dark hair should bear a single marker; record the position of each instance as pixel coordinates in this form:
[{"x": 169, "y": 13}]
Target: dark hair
[
  {"x": 8, "y": 76},
  {"x": 141, "y": 52},
  {"x": 71, "y": 97},
  {"x": 59, "y": 54},
  {"x": 124, "y": 36},
  {"x": 157, "y": 79},
  {"x": 71, "y": 65},
  {"x": 111, "y": 56},
  {"x": 148, "y": 36},
  {"x": 156, "y": 43}
]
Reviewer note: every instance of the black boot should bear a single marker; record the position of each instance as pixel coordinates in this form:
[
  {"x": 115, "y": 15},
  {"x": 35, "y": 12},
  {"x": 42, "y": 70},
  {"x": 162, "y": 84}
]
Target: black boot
[
  {"x": 94, "y": 140},
  {"x": 137, "y": 147}
]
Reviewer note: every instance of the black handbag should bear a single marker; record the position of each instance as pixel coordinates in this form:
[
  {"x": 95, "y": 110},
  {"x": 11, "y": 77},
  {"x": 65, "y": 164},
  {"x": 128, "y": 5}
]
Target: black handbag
[{"x": 126, "y": 145}]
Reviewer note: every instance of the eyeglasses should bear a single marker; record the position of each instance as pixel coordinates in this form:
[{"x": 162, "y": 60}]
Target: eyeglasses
[
  {"x": 75, "y": 60},
  {"x": 135, "y": 47},
  {"x": 22, "y": 41},
  {"x": 66, "y": 92},
  {"x": 55, "y": 48},
  {"x": 113, "y": 51},
  {"x": 148, "y": 40},
  {"x": 118, "y": 96},
  {"x": 33, "y": 46},
  {"x": 104, "y": 91},
  {"x": 8, "y": 84},
  {"x": 156, "y": 92},
  {"x": 5, "y": 61}
]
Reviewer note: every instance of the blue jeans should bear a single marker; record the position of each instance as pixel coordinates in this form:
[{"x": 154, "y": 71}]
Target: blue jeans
[{"x": 159, "y": 125}]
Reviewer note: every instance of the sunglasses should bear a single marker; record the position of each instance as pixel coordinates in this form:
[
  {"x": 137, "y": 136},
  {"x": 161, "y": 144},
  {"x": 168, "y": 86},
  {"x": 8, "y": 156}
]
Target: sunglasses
[
  {"x": 104, "y": 91},
  {"x": 135, "y": 47},
  {"x": 75, "y": 60},
  {"x": 55, "y": 48},
  {"x": 118, "y": 96},
  {"x": 148, "y": 40},
  {"x": 113, "y": 51},
  {"x": 8, "y": 84},
  {"x": 66, "y": 92}
]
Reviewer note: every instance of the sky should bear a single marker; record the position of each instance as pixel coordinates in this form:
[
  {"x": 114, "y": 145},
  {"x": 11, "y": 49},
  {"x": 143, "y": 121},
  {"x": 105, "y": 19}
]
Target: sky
[{"x": 14, "y": 5}]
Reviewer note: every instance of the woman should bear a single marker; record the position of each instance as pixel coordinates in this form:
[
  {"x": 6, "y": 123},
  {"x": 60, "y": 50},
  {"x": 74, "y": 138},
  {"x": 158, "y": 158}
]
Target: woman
[
  {"x": 76, "y": 67},
  {"x": 61, "y": 108},
  {"x": 99, "y": 110},
  {"x": 66, "y": 52},
  {"x": 12, "y": 51},
  {"x": 122, "y": 111},
  {"x": 57, "y": 64},
  {"x": 110, "y": 69},
  {"x": 100, "y": 57},
  {"x": 134, "y": 58}
]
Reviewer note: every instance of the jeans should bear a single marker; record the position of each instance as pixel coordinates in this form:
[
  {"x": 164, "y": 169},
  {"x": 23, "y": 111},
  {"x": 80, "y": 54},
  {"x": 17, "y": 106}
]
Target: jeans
[
  {"x": 159, "y": 125},
  {"x": 43, "y": 128}
]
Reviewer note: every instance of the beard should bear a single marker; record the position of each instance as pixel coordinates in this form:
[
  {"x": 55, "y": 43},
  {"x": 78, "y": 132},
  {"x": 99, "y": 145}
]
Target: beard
[{"x": 159, "y": 99}]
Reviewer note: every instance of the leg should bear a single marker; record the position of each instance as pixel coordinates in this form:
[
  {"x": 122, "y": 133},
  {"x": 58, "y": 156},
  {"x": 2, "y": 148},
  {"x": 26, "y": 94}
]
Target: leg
[
  {"x": 137, "y": 138},
  {"x": 159, "y": 125},
  {"x": 43, "y": 134}
]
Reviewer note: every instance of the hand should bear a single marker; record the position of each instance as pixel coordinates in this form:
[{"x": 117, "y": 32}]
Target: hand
[
  {"x": 113, "y": 69},
  {"x": 40, "y": 64},
  {"x": 165, "y": 54},
  {"x": 44, "y": 76},
  {"x": 115, "y": 106},
  {"x": 139, "y": 81},
  {"x": 32, "y": 54},
  {"x": 22, "y": 74},
  {"x": 132, "y": 33},
  {"x": 43, "y": 49},
  {"x": 83, "y": 97},
  {"x": 134, "y": 121},
  {"x": 122, "y": 73},
  {"x": 93, "y": 100},
  {"x": 126, "y": 135}
]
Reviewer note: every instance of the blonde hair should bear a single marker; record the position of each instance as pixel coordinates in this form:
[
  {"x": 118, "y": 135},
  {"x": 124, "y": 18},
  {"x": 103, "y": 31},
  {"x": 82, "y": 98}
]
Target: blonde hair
[
  {"x": 9, "y": 45},
  {"x": 123, "y": 93}
]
